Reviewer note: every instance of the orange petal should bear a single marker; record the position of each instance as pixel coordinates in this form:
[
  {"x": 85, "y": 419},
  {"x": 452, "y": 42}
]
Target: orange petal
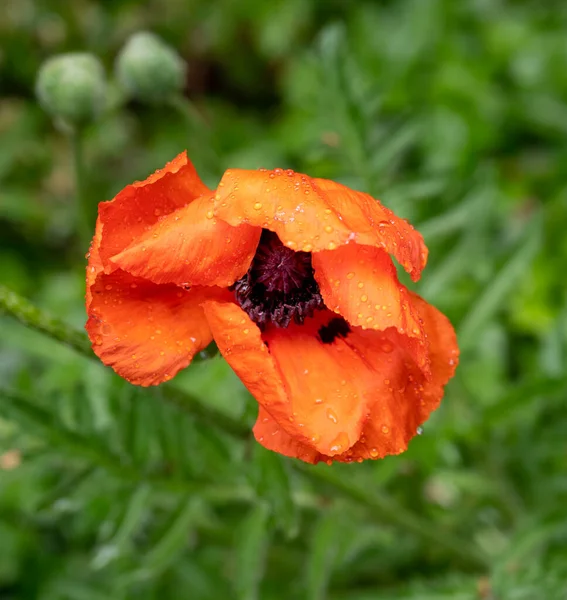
[
  {"x": 140, "y": 205},
  {"x": 268, "y": 432},
  {"x": 305, "y": 385},
  {"x": 361, "y": 284},
  {"x": 240, "y": 342},
  {"x": 191, "y": 247},
  {"x": 443, "y": 353},
  {"x": 146, "y": 332},
  {"x": 94, "y": 265},
  {"x": 327, "y": 384},
  {"x": 316, "y": 214},
  {"x": 405, "y": 398}
]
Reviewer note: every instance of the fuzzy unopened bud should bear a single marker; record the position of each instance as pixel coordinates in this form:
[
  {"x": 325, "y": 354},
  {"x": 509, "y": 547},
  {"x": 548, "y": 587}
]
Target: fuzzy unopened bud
[
  {"x": 72, "y": 88},
  {"x": 149, "y": 70}
]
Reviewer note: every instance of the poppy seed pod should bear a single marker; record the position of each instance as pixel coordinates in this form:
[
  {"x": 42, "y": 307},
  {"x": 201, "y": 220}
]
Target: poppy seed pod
[
  {"x": 149, "y": 70},
  {"x": 72, "y": 88}
]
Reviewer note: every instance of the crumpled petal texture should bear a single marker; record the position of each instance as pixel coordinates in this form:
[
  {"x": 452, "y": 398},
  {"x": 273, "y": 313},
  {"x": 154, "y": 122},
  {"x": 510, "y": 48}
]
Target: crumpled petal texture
[
  {"x": 191, "y": 247},
  {"x": 353, "y": 381},
  {"x": 145, "y": 332},
  {"x": 141, "y": 204},
  {"x": 360, "y": 397},
  {"x": 316, "y": 214}
]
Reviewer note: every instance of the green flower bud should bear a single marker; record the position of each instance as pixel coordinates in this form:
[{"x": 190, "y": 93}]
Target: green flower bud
[
  {"x": 150, "y": 70},
  {"x": 72, "y": 88}
]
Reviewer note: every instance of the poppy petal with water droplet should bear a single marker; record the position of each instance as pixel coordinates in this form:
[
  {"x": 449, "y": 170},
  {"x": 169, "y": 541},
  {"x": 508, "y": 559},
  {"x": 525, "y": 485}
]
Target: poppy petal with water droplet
[
  {"x": 141, "y": 204},
  {"x": 146, "y": 332},
  {"x": 316, "y": 214},
  {"x": 407, "y": 396},
  {"x": 361, "y": 284},
  {"x": 398, "y": 393},
  {"x": 191, "y": 247},
  {"x": 332, "y": 388},
  {"x": 270, "y": 434},
  {"x": 306, "y": 387}
]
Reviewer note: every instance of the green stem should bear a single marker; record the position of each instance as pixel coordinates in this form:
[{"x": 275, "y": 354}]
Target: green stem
[
  {"x": 380, "y": 506},
  {"x": 84, "y": 225},
  {"x": 31, "y": 316}
]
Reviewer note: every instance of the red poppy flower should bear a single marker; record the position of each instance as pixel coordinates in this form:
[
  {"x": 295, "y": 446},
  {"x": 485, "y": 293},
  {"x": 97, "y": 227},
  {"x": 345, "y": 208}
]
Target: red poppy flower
[{"x": 292, "y": 278}]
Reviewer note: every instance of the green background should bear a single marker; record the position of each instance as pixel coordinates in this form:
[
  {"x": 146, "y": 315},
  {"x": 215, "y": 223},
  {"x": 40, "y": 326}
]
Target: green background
[{"x": 454, "y": 113}]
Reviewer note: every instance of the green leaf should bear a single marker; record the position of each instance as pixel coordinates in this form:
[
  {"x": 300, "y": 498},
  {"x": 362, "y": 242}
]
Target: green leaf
[
  {"x": 251, "y": 547},
  {"x": 325, "y": 545},
  {"x": 273, "y": 485},
  {"x": 495, "y": 293},
  {"x": 175, "y": 538}
]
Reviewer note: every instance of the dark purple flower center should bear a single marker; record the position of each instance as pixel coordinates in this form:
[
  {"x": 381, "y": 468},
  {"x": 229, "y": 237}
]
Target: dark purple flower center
[{"x": 279, "y": 286}]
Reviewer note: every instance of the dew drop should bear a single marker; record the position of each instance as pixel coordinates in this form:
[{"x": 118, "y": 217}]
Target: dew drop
[
  {"x": 350, "y": 275},
  {"x": 328, "y": 229},
  {"x": 339, "y": 444},
  {"x": 373, "y": 452},
  {"x": 332, "y": 416},
  {"x": 385, "y": 429}
]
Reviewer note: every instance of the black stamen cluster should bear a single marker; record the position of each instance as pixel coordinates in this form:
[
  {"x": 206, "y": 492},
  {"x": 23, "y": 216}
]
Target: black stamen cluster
[
  {"x": 279, "y": 286},
  {"x": 336, "y": 327}
]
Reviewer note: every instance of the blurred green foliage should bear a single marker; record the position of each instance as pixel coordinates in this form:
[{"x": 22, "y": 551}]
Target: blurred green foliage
[{"x": 455, "y": 115}]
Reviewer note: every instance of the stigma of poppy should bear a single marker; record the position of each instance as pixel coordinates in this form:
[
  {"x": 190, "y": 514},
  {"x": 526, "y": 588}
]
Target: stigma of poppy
[{"x": 279, "y": 287}]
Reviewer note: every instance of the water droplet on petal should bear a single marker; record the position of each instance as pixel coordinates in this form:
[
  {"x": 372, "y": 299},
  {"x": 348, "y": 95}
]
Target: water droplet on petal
[
  {"x": 332, "y": 416},
  {"x": 339, "y": 444}
]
